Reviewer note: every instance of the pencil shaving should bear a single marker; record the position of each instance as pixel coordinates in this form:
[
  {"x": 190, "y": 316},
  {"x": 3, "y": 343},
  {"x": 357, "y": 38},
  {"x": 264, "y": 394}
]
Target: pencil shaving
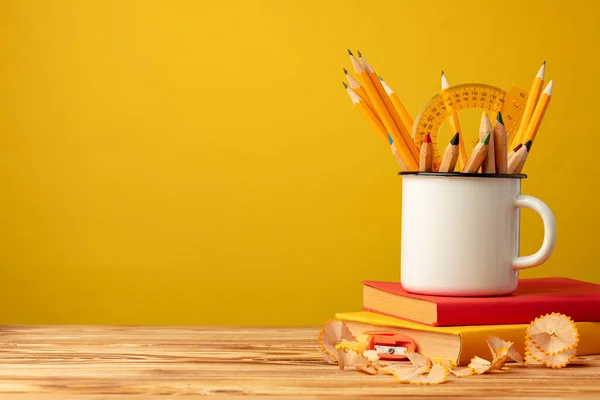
[
  {"x": 462, "y": 372},
  {"x": 535, "y": 357},
  {"x": 372, "y": 356},
  {"x": 553, "y": 333},
  {"x": 398, "y": 368},
  {"x": 351, "y": 359},
  {"x": 551, "y": 340},
  {"x": 495, "y": 343},
  {"x": 421, "y": 363},
  {"x": 501, "y": 350},
  {"x": 334, "y": 332},
  {"x": 436, "y": 374}
]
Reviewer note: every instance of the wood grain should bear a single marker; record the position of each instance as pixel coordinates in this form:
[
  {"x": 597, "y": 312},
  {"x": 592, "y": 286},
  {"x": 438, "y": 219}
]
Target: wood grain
[{"x": 106, "y": 362}]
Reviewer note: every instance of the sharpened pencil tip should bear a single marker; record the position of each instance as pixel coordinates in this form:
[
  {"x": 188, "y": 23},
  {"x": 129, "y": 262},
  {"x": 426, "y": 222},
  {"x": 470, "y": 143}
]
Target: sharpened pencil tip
[
  {"x": 427, "y": 138},
  {"x": 549, "y": 87},
  {"x": 455, "y": 140},
  {"x": 544, "y": 62},
  {"x": 528, "y": 145},
  {"x": 349, "y": 52},
  {"x": 345, "y": 86},
  {"x": 486, "y": 139},
  {"x": 380, "y": 78},
  {"x": 499, "y": 118},
  {"x": 345, "y": 71},
  {"x": 358, "y": 52},
  {"x": 443, "y": 73}
]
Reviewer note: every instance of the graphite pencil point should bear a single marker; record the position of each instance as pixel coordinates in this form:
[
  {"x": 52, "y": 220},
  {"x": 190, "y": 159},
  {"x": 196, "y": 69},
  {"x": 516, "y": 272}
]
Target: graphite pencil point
[
  {"x": 455, "y": 139},
  {"x": 486, "y": 139},
  {"x": 499, "y": 118}
]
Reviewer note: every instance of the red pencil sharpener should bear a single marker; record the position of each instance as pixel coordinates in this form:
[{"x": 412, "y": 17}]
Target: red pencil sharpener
[{"x": 388, "y": 345}]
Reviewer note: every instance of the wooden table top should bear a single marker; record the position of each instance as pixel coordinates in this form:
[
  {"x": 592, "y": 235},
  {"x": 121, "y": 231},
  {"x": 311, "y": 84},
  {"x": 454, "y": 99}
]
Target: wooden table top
[{"x": 106, "y": 362}]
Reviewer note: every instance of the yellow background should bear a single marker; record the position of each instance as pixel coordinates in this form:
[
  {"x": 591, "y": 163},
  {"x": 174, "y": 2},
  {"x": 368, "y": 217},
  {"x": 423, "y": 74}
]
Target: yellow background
[{"x": 198, "y": 162}]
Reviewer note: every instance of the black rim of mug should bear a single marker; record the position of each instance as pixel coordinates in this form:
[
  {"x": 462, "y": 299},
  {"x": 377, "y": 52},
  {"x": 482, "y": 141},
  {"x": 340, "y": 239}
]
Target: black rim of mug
[{"x": 464, "y": 175}]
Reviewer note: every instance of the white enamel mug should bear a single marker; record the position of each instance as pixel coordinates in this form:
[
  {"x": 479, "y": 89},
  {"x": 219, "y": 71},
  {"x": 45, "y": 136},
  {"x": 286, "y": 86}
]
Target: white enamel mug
[{"x": 460, "y": 233}]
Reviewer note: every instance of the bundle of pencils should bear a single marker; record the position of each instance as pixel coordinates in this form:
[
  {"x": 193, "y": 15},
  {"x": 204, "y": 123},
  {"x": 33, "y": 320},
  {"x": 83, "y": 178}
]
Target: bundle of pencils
[{"x": 493, "y": 154}]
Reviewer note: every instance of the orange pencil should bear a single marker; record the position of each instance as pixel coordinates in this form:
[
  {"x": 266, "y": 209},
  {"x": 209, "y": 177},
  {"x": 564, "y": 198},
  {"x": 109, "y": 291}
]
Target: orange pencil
[
  {"x": 375, "y": 123},
  {"x": 538, "y": 113},
  {"x": 532, "y": 100},
  {"x": 398, "y": 106},
  {"x": 384, "y": 107},
  {"x": 409, "y": 159}
]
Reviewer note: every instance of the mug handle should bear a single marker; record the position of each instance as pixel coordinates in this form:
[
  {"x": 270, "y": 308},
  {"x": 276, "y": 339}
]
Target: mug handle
[{"x": 544, "y": 252}]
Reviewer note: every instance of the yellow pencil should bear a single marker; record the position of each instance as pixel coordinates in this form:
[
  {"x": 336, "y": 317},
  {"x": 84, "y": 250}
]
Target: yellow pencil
[
  {"x": 454, "y": 124},
  {"x": 538, "y": 113},
  {"x": 409, "y": 159},
  {"x": 398, "y": 106},
  {"x": 489, "y": 164},
  {"x": 406, "y": 137},
  {"x": 478, "y": 155},
  {"x": 450, "y": 155},
  {"x": 354, "y": 85},
  {"x": 532, "y": 99},
  {"x": 375, "y": 123}
]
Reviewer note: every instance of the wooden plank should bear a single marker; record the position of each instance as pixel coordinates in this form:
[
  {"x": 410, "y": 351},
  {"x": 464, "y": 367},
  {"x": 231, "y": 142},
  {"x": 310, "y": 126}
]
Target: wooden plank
[{"x": 100, "y": 362}]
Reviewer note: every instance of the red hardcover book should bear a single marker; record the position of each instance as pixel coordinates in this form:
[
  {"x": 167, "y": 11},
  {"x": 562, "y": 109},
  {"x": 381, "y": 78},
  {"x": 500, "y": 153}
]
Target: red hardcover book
[{"x": 534, "y": 297}]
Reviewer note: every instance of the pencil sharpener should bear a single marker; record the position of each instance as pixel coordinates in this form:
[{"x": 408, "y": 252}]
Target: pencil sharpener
[{"x": 388, "y": 345}]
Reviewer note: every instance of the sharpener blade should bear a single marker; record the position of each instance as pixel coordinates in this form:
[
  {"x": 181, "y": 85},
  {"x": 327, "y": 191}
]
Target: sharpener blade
[{"x": 390, "y": 349}]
